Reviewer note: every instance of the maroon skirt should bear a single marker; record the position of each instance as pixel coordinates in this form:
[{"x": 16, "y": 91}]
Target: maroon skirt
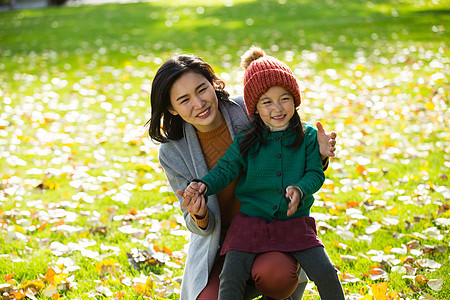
[{"x": 256, "y": 235}]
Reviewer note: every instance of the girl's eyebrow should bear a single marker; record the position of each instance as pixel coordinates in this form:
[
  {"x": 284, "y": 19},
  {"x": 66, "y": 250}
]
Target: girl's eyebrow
[
  {"x": 284, "y": 94},
  {"x": 185, "y": 95}
]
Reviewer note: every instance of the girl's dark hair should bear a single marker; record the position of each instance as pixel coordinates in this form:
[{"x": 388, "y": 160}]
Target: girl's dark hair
[
  {"x": 257, "y": 133},
  {"x": 163, "y": 126}
]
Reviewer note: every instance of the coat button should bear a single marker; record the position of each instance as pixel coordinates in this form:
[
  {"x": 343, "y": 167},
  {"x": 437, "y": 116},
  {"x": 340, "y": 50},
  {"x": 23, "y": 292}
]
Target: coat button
[
  {"x": 280, "y": 192},
  {"x": 278, "y": 155},
  {"x": 274, "y": 207},
  {"x": 278, "y": 173},
  {"x": 277, "y": 138}
]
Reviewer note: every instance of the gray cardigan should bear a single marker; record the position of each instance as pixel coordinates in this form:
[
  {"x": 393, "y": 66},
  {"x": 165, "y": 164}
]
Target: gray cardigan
[{"x": 183, "y": 161}]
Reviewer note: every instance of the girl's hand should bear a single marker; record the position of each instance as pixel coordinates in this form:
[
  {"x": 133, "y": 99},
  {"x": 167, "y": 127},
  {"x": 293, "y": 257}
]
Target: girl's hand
[
  {"x": 327, "y": 141},
  {"x": 294, "y": 195},
  {"x": 193, "y": 201}
]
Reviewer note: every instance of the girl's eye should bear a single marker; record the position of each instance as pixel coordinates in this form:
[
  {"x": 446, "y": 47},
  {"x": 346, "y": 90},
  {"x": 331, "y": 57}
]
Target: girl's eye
[
  {"x": 202, "y": 90},
  {"x": 185, "y": 100}
]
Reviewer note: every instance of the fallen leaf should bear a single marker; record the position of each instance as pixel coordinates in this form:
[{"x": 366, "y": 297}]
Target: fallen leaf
[
  {"x": 379, "y": 290},
  {"x": 436, "y": 284}
]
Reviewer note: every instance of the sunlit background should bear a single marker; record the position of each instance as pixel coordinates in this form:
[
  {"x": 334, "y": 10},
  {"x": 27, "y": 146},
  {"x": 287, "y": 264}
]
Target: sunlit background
[{"x": 83, "y": 197}]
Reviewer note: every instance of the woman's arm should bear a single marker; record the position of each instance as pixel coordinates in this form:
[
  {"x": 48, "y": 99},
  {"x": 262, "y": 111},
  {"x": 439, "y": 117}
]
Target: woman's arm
[{"x": 178, "y": 177}]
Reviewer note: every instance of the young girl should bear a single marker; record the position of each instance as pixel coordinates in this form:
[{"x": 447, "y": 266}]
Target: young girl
[{"x": 280, "y": 169}]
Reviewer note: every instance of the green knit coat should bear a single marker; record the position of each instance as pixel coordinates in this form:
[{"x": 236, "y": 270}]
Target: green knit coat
[{"x": 262, "y": 186}]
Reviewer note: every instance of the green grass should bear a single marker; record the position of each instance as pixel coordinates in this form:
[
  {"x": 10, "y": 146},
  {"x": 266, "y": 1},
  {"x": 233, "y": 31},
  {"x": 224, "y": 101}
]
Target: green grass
[{"x": 74, "y": 83}]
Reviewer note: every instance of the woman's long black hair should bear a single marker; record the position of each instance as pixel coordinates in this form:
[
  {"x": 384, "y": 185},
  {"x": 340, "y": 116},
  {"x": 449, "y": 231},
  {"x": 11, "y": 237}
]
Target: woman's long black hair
[
  {"x": 163, "y": 126},
  {"x": 256, "y": 133}
]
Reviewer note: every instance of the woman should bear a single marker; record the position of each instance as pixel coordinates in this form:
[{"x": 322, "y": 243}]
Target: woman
[{"x": 195, "y": 120}]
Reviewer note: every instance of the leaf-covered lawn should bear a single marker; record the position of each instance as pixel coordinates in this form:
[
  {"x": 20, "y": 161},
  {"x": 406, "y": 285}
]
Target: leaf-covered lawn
[{"x": 85, "y": 209}]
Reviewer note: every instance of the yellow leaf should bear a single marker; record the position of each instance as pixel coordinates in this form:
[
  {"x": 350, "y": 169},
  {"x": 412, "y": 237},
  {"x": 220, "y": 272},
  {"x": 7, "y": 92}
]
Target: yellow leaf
[
  {"x": 359, "y": 188},
  {"x": 421, "y": 280},
  {"x": 393, "y": 211},
  {"x": 37, "y": 285},
  {"x": 50, "y": 275},
  {"x": 333, "y": 212},
  {"x": 106, "y": 266},
  {"x": 373, "y": 190},
  {"x": 144, "y": 288},
  {"x": 171, "y": 199},
  {"x": 60, "y": 278},
  {"x": 19, "y": 229},
  {"x": 379, "y": 290},
  {"x": 429, "y": 105}
]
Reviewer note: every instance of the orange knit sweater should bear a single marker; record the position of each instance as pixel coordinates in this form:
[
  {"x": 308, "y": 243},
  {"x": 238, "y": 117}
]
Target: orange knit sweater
[{"x": 214, "y": 145}]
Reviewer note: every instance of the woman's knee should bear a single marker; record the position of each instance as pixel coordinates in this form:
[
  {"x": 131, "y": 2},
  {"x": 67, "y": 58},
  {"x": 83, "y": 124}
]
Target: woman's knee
[{"x": 275, "y": 274}]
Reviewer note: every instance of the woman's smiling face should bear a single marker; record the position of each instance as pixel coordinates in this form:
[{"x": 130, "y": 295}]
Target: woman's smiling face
[{"x": 194, "y": 99}]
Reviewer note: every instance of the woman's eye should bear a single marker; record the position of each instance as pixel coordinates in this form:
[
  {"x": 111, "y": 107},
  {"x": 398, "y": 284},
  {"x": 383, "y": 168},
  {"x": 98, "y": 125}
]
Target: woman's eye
[
  {"x": 184, "y": 100},
  {"x": 202, "y": 90}
]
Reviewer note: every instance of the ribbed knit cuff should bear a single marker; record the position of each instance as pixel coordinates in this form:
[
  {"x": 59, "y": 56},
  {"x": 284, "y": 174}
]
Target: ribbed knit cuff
[{"x": 202, "y": 223}]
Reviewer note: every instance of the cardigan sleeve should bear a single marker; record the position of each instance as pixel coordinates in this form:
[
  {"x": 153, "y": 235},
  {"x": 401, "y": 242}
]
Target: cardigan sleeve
[
  {"x": 314, "y": 177},
  {"x": 178, "y": 176}
]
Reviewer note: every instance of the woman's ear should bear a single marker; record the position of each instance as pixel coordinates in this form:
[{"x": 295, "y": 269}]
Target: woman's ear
[{"x": 172, "y": 111}]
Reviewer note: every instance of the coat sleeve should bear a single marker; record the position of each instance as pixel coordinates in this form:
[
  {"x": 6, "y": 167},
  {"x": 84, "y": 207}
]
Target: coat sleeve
[
  {"x": 314, "y": 177},
  {"x": 177, "y": 174}
]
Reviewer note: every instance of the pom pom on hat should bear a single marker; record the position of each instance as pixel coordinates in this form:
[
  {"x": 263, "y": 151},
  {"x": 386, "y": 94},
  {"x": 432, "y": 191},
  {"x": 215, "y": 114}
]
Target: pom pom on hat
[{"x": 261, "y": 73}]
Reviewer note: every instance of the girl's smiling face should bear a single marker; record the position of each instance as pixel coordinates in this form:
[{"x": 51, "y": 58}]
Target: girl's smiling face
[
  {"x": 276, "y": 107},
  {"x": 194, "y": 99}
]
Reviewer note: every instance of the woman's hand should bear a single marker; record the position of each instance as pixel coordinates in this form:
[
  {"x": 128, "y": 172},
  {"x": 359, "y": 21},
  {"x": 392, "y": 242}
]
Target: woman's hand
[
  {"x": 327, "y": 142},
  {"x": 193, "y": 201}
]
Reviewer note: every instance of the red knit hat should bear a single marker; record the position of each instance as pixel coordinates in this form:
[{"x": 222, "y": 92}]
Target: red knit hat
[{"x": 261, "y": 73}]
